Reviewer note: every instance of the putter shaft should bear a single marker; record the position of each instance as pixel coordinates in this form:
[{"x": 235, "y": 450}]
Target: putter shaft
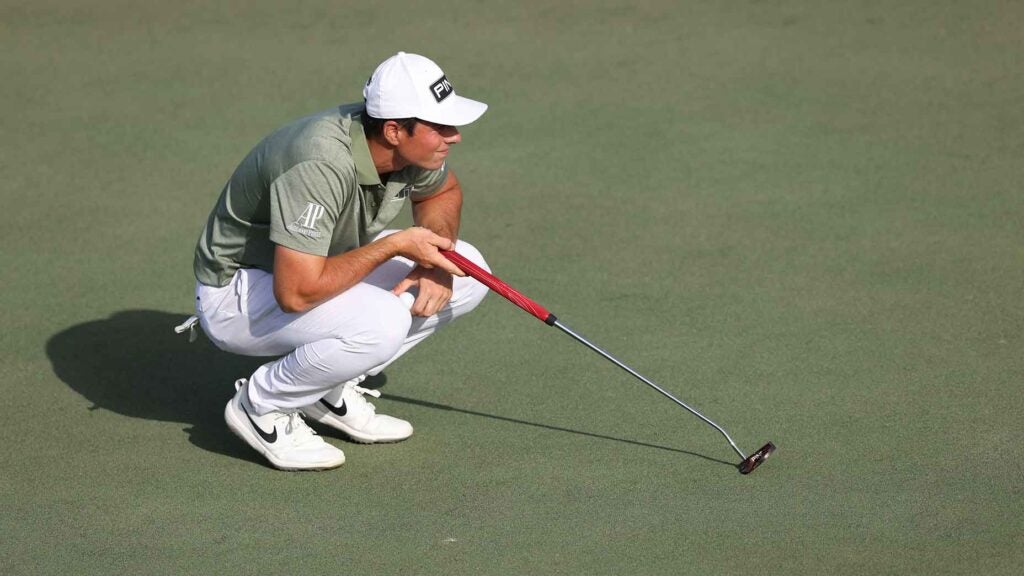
[
  {"x": 541, "y": 313},
  {"x": 640, "y": 377}
]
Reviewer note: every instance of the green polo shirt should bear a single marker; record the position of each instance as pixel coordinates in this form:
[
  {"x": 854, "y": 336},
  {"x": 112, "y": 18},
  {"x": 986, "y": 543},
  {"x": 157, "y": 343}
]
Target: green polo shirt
[{"x": 310, "y": 186}]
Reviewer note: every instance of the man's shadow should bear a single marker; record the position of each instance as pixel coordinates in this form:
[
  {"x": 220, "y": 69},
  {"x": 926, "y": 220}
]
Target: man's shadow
[{"x": 133, "y": 363}]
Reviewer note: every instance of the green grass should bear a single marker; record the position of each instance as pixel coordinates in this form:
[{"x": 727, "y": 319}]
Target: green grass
[{"x": 804, "y": 218}]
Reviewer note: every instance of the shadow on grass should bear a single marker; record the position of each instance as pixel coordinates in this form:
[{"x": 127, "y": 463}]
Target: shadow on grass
[
  {"x": 436, "y": 406},
  {"x": 133, "y": 363}
]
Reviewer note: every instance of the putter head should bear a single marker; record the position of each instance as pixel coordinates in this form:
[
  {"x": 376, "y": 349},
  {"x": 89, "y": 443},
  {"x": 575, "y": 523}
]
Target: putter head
[{"x": 755, "y": 459}]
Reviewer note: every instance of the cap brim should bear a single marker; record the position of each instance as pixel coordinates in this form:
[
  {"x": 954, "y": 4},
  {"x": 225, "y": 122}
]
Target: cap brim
[{"x": 455, "y": 111}]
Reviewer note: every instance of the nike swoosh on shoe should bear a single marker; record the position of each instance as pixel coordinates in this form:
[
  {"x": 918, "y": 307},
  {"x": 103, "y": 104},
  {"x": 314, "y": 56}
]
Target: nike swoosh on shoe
[
  {"x": 268, "y": 438},
  {"x": 339, "y": 410}
]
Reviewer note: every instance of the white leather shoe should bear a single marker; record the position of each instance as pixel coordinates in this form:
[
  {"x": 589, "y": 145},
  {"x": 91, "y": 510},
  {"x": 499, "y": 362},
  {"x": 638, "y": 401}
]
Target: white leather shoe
[
  {"x": 282, "y": 437},
  {"x": 345, "y": 409}
]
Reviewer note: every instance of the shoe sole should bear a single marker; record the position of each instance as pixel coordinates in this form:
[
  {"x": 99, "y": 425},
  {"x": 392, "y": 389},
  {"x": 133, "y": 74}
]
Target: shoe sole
[
  {"x": 322, "y": 416},
  {"x": 243, "y": 432}
]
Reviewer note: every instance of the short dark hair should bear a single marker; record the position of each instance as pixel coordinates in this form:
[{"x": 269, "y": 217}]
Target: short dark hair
[{"x": 374, "y": 127}]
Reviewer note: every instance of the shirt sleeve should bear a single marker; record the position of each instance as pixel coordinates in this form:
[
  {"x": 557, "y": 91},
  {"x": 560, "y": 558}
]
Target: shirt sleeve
[
  {"x": 305, "y": 203},
  {"x": 426, "y": 183}
]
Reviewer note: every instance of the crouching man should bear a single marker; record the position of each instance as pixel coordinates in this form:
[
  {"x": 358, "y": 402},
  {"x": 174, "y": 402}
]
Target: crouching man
[{"x": 295, "y": 260}]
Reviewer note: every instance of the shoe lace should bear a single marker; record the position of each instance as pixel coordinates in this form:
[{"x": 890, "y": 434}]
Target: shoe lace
[
  {"x": 296, "y": 428},
  {"x": 364, "y": 391}
]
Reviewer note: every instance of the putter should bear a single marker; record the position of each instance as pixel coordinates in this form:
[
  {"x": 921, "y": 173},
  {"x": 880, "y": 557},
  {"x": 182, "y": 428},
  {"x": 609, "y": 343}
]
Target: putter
[{"x": 748, "y": 464}]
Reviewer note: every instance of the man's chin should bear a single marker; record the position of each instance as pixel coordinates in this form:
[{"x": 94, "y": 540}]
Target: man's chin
[{"x": 433, "y": 165}]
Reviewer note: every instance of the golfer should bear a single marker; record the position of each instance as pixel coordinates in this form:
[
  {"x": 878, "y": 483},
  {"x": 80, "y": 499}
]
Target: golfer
[{"x": 295, "y": 260}]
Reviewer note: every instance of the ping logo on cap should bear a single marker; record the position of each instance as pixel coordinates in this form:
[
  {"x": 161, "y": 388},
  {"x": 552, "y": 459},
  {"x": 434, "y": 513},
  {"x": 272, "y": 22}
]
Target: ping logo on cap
[{"x": 441, "y": 89}]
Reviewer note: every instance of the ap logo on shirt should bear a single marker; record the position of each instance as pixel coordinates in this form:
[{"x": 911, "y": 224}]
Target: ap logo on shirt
[{"x": 306, "y": 222}]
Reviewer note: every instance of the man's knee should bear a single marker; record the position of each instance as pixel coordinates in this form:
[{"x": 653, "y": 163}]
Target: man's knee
[{"x": 383, "y": 331}]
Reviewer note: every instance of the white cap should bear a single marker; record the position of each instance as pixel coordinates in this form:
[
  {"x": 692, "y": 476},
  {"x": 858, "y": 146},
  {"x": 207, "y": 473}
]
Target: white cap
[{"x": 411, "y": 86}]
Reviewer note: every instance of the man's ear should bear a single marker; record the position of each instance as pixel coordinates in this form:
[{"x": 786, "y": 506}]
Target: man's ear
[{"x": 391, "y": 131}]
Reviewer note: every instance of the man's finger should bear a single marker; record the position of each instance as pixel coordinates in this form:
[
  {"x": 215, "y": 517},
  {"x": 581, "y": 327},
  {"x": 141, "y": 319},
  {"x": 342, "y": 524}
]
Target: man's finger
[
  {"x": 447, "y": 265},
  {"x": 429, "y": 306},
  {"x": 421, "y": 306},
  {"x": 443, "y": 243},
  {"x": 403, "y": 286}
]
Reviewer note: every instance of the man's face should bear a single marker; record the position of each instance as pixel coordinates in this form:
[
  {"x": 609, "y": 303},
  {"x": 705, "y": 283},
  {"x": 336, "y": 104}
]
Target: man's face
[{"x": 427, "y": 146}]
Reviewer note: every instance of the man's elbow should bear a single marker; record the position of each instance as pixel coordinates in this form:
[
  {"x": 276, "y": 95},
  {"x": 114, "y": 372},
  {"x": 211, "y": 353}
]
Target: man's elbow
[
  {"x": 292, "y": 302},
  {"x": 294, "y": 307}
]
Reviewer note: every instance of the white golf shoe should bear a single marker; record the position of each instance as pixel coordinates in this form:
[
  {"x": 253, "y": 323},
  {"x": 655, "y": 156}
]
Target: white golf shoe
[
  {"x": 282, "y": 437},
  {"x": 345, "y": 409}
]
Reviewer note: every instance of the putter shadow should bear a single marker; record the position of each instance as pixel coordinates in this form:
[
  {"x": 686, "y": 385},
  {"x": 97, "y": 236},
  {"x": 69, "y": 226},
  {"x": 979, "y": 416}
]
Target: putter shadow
[
  {"x": 132, "y": 363},
  {"x": 448, "y": 408}
]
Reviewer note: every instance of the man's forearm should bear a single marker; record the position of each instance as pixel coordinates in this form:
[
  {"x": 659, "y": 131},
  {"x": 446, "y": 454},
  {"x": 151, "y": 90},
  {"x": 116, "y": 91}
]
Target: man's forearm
[{"x": 302, "y": 283}]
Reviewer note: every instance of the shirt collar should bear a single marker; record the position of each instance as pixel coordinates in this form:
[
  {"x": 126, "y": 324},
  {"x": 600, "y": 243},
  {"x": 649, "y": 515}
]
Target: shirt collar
[{"x": 366, "y": 172}]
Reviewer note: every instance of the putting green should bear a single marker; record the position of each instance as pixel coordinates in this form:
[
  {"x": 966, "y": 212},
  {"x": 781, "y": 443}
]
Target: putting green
[{"x": 803, "y": 218}]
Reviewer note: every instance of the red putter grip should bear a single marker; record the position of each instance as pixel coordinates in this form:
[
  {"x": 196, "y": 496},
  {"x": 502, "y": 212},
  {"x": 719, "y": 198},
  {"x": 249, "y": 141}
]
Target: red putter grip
[{"x": 494, "y": 283}]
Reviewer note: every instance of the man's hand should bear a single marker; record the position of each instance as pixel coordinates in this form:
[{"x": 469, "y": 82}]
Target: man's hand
[
  {"x": 435, "y": 290},
  {"x": 433, "y": 273},
  {"x": 423, "y": 247}
]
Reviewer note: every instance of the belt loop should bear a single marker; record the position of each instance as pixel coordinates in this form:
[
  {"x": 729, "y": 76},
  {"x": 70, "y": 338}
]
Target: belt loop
[{"x": 242, "y": 290}]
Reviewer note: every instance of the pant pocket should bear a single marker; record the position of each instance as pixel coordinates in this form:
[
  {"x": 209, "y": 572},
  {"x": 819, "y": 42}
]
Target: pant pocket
[{"x": 210, "y": 298}]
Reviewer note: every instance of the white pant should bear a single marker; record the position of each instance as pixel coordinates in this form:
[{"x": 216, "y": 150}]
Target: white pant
[{"x": 358, "y": 332}]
